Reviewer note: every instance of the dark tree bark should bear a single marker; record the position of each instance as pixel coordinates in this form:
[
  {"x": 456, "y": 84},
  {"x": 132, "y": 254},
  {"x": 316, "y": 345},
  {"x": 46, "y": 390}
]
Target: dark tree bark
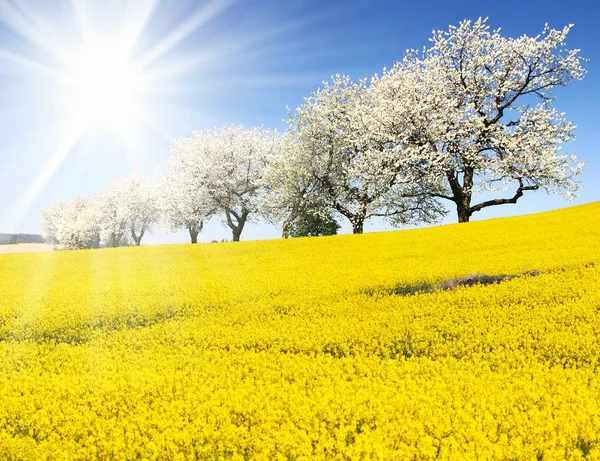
[
  {"x": 285, "y": 231},
  {"x": 462, "y": 195},
  {"x": 357, "y": 220},
  {"x": 236, "y": 222},
  {"x": 137, "y": 238},
  {"x": 358, "y": 225},
  {"x": 236, "y": 234},
  {"x": 194, "y": 230},
  {"x": 96, "y": 240},
  {"x": 463, "y": 212}
]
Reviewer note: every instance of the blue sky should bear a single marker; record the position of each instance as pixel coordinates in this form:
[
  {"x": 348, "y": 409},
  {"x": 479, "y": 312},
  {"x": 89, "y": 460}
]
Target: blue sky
[{"x": 246, "y": 64}]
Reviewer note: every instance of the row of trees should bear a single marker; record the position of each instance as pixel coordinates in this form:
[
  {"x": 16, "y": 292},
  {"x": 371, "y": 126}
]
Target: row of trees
[
  {"x": 120, "y": 215},
  {"x": 472, "y": 113}
]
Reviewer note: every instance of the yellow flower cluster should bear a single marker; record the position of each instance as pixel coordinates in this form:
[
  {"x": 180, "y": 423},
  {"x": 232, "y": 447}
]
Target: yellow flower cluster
[{"x": 317, "y": 348}]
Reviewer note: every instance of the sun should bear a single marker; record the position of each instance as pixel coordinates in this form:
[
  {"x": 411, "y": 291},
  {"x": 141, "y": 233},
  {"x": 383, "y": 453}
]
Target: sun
[
  {"x": 103, "y": 88},
  {"x": 115, "y": 79}
]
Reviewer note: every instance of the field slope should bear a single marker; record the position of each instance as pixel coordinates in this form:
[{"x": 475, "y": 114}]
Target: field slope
[{"x": 321, "y": 348}]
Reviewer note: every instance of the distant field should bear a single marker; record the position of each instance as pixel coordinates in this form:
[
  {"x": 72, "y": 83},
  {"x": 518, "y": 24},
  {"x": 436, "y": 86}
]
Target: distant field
[
  {"x": 347, "y": 347},
  {"x": 25, "y": 248}
]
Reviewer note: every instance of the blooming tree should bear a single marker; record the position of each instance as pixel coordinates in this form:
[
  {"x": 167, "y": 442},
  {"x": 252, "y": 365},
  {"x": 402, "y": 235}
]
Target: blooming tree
[
  {"x": 113, "y": 216},
  {"x": 72, "y": 224},
  {"x": 333, "y": 162},
  {"x": 227, "y": 165},
  {"x": 128, "y": 208},
  {"x": 288, "y": 192},
  {"x": 475, "y": 113},
  {"x": 184, "y": 199}
]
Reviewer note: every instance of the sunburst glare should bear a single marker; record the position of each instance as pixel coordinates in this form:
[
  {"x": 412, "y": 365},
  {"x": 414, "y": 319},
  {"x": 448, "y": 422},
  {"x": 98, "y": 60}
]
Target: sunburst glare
[
  {"x": 103, "y": 87},
  {"x": 93, "y": 74},
  {"x": 118, "y": 78}
]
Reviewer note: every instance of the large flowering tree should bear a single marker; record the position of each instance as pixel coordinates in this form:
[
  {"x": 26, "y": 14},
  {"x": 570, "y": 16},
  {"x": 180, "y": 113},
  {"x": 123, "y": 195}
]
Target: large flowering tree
[
  {"x": 224, "y": 169},
  {"x": 474, "y": 112},
  {"x": 332, "y": 162},
  {"x": 184, "y": 200}
]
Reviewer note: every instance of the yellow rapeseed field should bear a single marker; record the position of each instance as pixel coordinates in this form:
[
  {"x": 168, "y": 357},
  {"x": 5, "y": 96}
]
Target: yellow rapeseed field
[{"x": 315, "y": 348}]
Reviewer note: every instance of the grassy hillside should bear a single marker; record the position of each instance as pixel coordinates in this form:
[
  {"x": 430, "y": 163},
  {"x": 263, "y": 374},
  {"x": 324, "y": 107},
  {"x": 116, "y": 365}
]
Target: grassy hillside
[{"x": 309, "y": 348}]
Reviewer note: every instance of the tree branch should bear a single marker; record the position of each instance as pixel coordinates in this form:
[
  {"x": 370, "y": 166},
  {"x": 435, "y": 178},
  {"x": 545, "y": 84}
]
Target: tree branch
[{"x": 503, "y": 201}]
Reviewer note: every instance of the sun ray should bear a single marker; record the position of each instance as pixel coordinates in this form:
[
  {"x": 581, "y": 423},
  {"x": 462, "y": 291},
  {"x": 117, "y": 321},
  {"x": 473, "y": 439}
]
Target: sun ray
[
  {"x": 27, "y": 25},
  {"x": 82, "y": 18},
  {"x": 206, "y": 59},
  {"x": 200, "y": 18},
  {"x": 228, "y": 50},
  {"x": 37, "y": 186},
  {"x": 136, "y": 21},
  {"x": 155, "y": 126},
  {"x": 33, "y": 65},
  {"x": 271, "y": 80}
]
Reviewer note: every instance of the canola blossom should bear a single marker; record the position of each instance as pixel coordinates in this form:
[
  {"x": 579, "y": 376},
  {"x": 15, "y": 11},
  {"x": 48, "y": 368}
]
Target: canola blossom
[{"x": 314, "y": 348}]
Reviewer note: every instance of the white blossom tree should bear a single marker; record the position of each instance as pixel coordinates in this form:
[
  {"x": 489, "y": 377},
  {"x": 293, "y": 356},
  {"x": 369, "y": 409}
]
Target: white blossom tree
[
  {"x": 227, "y": 165},
  {"x": 184, "y": 200},
  {"x": 128, "y": 209},
  {"x": 113, "y": 216},
  {"x": 72, "y": 224},
  {"x": 334, "y": 163},
  {"x": 51, "y": 221},
  {"x": 287, "y": 191},
  {"x": 475, "y": 112}
]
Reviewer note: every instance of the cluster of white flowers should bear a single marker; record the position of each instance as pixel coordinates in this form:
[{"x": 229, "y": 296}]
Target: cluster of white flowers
[{"x": 471, "y": 113}]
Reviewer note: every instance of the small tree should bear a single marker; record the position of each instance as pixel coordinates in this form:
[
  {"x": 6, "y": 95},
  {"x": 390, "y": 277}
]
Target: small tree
[
  {"x": 464, "y": 113},
  {"x": 113, "y": 217},
  {"x": 308, "y": 224},
  {"x": 113, "y": 240},
  {"x": 73, "y": 224},
  {"x": 51, "y": 221},
  {"x": 129, "y": 209}
]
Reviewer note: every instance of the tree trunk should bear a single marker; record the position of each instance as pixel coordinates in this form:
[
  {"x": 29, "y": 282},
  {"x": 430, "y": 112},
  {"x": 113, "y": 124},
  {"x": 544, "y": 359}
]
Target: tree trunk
[
  {"x": 462, "y": 193},
  {"x": 193, "y": 234},
  {"x": 287, "y": 225},
  {"x": 464, "y": 213},
  {"x": 357, "y": 225},
  {"x": 137, "y": 238},
  {"x": 194, "y": 229},
  {"x": 463, "y": 207},
  {"x": 238, "y": 226}
]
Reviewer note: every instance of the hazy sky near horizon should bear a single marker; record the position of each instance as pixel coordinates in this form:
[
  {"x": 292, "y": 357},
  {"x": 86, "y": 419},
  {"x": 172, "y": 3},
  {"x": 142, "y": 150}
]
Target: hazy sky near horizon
[{"x": 206, "y": 63}]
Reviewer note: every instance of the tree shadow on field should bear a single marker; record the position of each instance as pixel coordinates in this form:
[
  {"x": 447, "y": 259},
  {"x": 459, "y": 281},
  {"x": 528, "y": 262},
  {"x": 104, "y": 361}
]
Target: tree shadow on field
[{"x": 452, "y": 284}]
